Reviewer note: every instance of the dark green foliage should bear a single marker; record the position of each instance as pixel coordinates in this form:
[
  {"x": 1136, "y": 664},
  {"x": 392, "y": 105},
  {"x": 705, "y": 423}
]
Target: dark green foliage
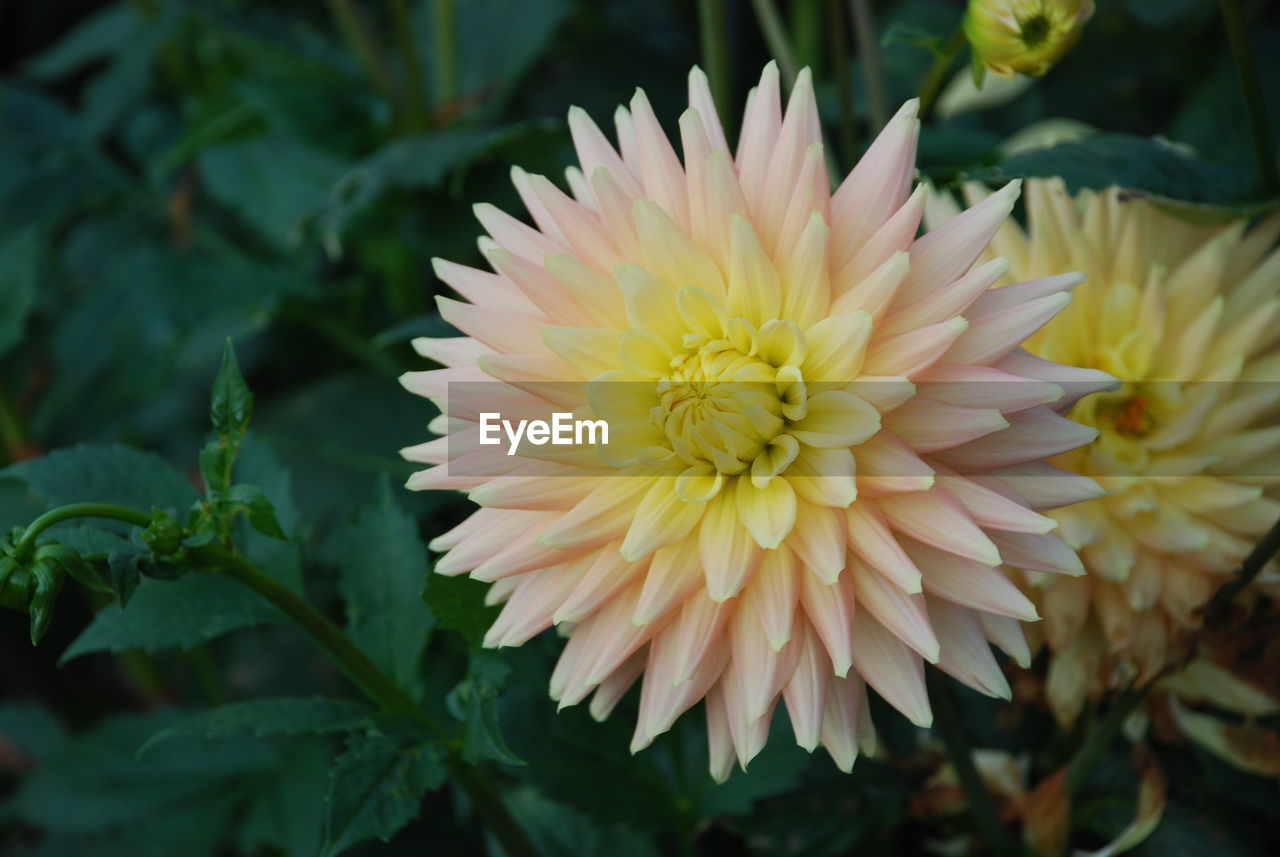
[
  {"x": 382, "y": 562},
  {"x": 180, "y": 175},
  {"x": 375, "y": 788}
]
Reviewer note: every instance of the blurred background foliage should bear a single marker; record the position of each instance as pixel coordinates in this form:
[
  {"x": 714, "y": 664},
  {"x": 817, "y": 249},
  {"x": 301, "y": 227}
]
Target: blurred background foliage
[{"x": 176, "y": 172}]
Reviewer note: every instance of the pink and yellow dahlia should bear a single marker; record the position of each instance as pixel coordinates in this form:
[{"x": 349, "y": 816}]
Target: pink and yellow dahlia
[
  {"x": 1185, "y": 316},
  {"x": 824, "y": 437}
]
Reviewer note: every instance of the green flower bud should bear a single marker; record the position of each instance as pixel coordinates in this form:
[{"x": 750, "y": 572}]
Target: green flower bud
[{"x": 1026, "y": 36}]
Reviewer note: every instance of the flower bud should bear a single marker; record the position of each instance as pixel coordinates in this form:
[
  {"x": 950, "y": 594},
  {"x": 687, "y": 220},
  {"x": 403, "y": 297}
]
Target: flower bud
[{"x": 1026, "y": 36}]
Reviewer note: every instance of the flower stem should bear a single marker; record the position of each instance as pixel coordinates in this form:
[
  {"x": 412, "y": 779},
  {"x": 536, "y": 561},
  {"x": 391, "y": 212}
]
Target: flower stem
[
  {"x": 76, "y": 510},
  {"x": 1252, "y": 566},
  {"x": 1102, "y": 733},
  {"x": 715, "y": 51},
  {"x": 366, "y": 50},
  {"x": 946, "y": 719},
  {"x": 415, "y": 97},
  {"x": 938, "y": 71},
  {"x": 775, "y": 36},
  {"x": 840, "y": 70},
  {"x": 1264, "y": 149},
  {"x": 376, "y": 685},
  {"x": 864, "y": 31},
  {"x": 445, "y": 52},
  {"x": 372, "y": 681}
]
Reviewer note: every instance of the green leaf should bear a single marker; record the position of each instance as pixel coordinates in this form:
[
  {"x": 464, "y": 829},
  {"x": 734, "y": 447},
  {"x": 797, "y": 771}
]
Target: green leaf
[
  {"x": 282, "y": 560},
  {"x": 258, "y": 509},
  {"x": 335, "y": 463},
  {"x": 382, "y": 563},
  {"x": 173, "y": 614},
  {"x": 29, "y": 731},
  {"x": 231, "y": 404},
  {"x": 97, "y": 37},
  {"x": 93, "y": 783},
  {"x": 265, "y": 717},
  {"x": 272, "y": 182},
  {"x": 458, "y": 604},
  {"x": 285, "y": 812},
  {"x": 417, "y": 162},
  {"x": 1134, "y": 163},
  {"x": 18, "y": 255},
  {"x": 559, "y": 831},
  {"x": 114, "y": 474},
  {"x": 376, "y": 787},
  {"x": 125, "y": 574},
  {"x": 474, "y": 701}
]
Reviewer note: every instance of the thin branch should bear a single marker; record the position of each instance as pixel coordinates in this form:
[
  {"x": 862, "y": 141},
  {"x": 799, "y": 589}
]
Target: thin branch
[
  {"x": 776, "y": 37},
  {"x": 864, "y": 31}
]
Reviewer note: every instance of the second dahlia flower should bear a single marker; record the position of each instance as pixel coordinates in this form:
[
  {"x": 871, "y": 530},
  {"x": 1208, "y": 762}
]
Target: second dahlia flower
[
  {"x": 1185, "y": 316},
  {"x": 824, "y": 437}
]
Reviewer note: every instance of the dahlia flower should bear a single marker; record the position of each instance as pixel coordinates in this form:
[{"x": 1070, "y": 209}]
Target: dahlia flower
[
  {"x": 824, "y": 440},
  {"x": 1185, "y": 316},
  {"x": 1026, "y": 36}
]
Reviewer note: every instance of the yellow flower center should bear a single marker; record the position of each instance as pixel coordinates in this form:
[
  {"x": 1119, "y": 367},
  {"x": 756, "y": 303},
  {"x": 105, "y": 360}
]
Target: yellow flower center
[{"x": 726, "y": 408}]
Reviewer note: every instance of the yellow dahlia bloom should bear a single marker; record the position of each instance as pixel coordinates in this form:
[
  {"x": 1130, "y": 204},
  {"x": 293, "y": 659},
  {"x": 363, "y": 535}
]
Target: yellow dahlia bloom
[
  {"x": 824, "y": 437},
  {"x": 1026, "y": 36},
  {"x": 1185, "y": 316}
]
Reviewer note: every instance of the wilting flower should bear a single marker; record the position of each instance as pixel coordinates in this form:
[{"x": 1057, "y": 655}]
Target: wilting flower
[
  {"x": 1026, "y": 36},
  {"x": 1185, "y": 316},
  {"x": 824, "y": 440}
]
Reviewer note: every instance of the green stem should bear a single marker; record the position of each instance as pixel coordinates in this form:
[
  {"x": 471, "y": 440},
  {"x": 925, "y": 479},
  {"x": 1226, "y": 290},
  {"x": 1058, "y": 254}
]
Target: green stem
[
  {"x": 376, "y": 685},
  {"x": 371, "y": 680},
  {"x": 938, "y": 72},
  {"x": 775, "y": 36},
  {"x": 864, "y": 32},
  {"x": 946, "y": 720},
  {"x": 445, "y": 49},
  {"x": 1103, "y": 732},
  {"x": 840, "y": 69},
  {"x": 357, "y": 34},
  {"x": 715, "y": 51},
  {"x": 416, "y": 98},
  {"x": 1264, "y": 149},
  {"x": 76, "y": 510},
  {"x": 806, "y": 32}
]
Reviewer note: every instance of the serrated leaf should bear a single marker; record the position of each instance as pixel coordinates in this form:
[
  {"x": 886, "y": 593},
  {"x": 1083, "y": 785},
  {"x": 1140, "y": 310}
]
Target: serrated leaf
[
  {"x": 474, "y": 701},
  {"x": 285, "y": 813},
  {"x": 257, "y": 509},
  {"x": 382, "y": 562},
  {"x": 231, "y": 404},
  {"x": 125, "y": 575},
  {"x": 458, "y": 604},
  {"x": 114, "y": 474},
  {"x": 265, "y": 717},
  {"x": 560, "y": 831},
  {"x": 173, "y": 614},
  {"x": 376, "y": 787},
  {"x": 94, "y": 784}
]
